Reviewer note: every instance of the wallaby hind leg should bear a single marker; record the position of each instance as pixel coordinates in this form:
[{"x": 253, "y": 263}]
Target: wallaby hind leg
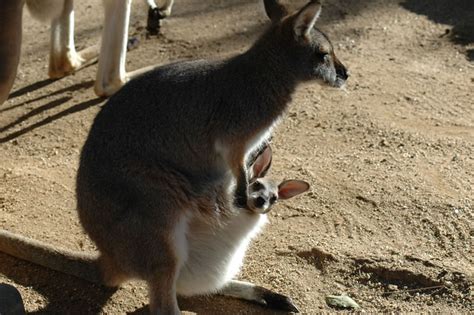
[
  {"x": 63, "y": 58},
  {"x": 162, "y": 292},
  {"x": 250, "y": 292}
]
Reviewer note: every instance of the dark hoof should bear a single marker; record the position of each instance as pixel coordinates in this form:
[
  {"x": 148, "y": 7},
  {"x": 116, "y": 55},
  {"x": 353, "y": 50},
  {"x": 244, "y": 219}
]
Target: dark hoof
[
  {"x": 277, "y": 301},
  {"x": 153, "y": 22}
]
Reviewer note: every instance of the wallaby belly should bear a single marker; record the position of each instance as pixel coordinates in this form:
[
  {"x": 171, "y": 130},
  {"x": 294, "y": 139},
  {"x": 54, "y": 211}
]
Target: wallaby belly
[{"x": 215, "y": 254}]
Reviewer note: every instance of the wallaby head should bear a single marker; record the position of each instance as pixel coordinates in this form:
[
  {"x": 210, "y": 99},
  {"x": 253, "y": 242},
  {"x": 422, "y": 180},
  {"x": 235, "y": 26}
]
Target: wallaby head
[
  {"x": 308, "y": 50},
  {"x": 264, "y": 192}
]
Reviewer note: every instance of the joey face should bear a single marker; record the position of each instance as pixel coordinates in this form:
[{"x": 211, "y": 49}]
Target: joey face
[
  {"x": 310, "y": 51},
  {"x": 263, "y": 194}
]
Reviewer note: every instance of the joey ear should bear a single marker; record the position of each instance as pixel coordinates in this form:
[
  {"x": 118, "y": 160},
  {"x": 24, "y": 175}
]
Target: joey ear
[
  {"x": 290, "y": 188},
  {"x": 306, "y": 18},
  {"x": 275, "y": 10},
  {"x": 263, "y": 162}
]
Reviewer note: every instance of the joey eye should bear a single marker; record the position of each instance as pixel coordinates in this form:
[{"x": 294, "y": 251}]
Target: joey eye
[{"x": 256, "y": 186}]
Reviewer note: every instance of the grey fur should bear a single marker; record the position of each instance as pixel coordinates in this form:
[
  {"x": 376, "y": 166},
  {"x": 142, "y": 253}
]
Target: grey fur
[{"x": 170, "y": 142}]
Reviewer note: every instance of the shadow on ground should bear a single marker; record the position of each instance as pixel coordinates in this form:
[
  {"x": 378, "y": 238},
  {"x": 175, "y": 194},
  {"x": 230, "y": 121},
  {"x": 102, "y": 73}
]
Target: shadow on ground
[{"x": 457, "y": 13}]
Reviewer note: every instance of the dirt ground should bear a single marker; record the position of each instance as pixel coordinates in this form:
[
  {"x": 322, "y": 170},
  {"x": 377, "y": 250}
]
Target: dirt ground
[{"x": 389, "y": 219}]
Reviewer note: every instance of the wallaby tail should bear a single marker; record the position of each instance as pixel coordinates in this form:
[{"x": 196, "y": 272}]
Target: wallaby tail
[{"x": 81, "y": 265}]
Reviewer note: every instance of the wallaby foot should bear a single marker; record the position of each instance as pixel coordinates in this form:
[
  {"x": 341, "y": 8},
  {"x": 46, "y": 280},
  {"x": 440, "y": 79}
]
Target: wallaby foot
[{"x": 250, "y": 292}]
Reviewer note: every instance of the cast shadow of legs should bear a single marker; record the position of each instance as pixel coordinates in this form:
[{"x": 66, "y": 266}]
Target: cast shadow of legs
[{"x": 71, "y": 110}]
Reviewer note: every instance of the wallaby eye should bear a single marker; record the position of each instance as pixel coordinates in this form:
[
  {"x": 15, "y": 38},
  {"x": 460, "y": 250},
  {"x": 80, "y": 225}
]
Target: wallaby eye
[{"x": 322, "y": 55}]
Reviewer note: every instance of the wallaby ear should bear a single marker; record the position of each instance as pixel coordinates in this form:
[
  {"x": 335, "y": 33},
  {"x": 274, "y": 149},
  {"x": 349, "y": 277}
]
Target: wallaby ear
[
  {"x": 275, "y": 10},
  {"x": 306, "y": 18},
  {"x": 262, "y": 164},
  {"x": 290, "y": 188}
]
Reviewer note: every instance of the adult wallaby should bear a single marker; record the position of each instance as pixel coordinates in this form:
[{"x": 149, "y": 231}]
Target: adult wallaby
[
  {"x": 219, "y": 249},
  {"x": 165, "y": 146}
]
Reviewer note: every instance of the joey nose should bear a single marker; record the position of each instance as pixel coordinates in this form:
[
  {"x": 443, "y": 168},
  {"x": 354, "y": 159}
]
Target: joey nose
[{"x": 259, "y": 202}]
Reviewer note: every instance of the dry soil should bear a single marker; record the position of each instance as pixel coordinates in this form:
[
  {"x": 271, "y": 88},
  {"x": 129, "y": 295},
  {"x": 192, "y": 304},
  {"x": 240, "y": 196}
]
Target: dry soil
[{"x": 389, "y": 219}]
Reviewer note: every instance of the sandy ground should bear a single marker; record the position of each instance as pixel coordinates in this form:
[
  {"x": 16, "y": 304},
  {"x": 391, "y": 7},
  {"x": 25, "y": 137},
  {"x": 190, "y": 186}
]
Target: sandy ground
[{"x": 390, "y": 160}]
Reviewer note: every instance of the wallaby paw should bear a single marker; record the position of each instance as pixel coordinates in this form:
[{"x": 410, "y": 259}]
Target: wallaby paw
[{"x": 275, "y": 301}]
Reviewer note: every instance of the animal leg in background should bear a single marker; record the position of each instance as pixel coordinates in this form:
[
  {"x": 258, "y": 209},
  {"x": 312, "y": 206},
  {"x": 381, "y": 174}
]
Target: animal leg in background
[
  {"x": 63, "y": 57},
  {"x": 156, "y": 14},
  {"x": 112, "y": 74},
  {"x": 10, "y": 37}
]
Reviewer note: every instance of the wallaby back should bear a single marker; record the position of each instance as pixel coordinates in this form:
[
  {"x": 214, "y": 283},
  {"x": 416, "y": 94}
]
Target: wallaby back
[{"x": 81, "y": 265}]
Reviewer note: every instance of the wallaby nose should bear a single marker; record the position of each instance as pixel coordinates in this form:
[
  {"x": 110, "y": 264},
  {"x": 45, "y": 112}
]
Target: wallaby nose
[
  {"x": 259, "y": 202},
  {"x": 342, "y": 72}
]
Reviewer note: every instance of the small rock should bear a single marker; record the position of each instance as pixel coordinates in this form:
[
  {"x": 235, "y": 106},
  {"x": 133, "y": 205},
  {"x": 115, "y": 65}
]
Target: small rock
[
  {"x": 384, "y": 143},
  {"x": 341, "y": 301}
]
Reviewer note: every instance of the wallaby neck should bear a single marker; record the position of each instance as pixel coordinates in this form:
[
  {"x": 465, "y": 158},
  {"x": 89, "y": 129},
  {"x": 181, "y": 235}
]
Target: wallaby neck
[{"x": 266, "y": 71}]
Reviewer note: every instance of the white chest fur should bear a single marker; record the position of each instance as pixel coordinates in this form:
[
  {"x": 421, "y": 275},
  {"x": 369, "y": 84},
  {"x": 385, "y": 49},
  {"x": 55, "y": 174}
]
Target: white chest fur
[{"x": 215, "y": 254}]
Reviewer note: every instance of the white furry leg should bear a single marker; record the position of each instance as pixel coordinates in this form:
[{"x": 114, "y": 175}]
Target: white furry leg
[
  {"x": 64, "y": 59},
  {"x": 111, "y": 74},
  {"x": 250, "y": 292}
]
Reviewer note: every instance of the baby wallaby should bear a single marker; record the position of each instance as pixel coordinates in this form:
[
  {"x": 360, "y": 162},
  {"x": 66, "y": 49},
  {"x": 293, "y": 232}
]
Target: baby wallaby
[
  {"x": 168, "y": 146},
  {"x": 217, "y": 248}
]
